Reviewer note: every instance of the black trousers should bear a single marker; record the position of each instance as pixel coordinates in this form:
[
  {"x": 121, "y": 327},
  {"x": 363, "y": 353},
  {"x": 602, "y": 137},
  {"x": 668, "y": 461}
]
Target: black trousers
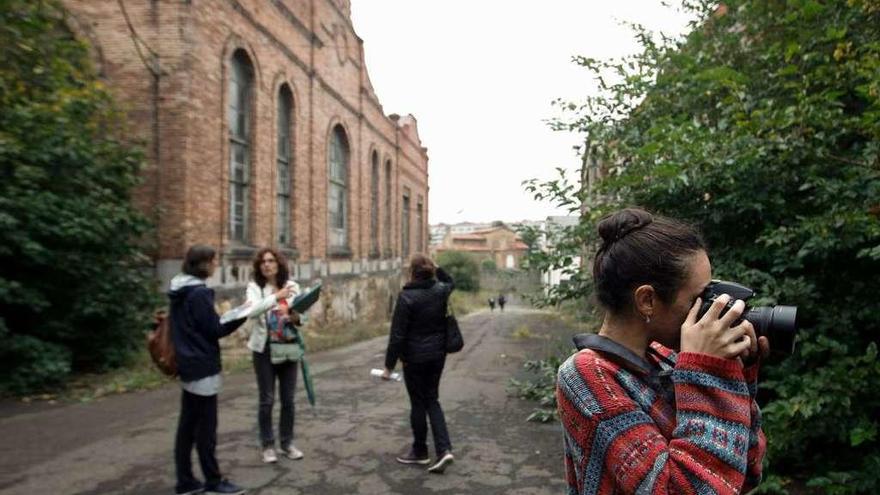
[
  {"x": 267, "y": 374},
  {"x": 422, "y": 385},
  {"x": 197, "y": 425}
]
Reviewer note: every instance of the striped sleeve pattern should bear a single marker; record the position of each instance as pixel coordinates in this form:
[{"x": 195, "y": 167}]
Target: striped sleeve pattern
[
  {"x": 757, "y": 441},
  {"x": 620, "y": 437}
]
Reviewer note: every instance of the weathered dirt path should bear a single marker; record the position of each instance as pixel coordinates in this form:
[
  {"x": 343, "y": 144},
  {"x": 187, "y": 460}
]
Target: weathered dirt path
[{"x": 123, "y": 444}]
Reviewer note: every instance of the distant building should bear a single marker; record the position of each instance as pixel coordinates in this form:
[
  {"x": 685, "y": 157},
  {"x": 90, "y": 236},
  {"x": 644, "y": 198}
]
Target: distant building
[
  {"x": 439, "y": 231},
  {"x": 551, "y": 228},
  {"x": 527, "y": 223},
  {"x": 499, "y": 244}
]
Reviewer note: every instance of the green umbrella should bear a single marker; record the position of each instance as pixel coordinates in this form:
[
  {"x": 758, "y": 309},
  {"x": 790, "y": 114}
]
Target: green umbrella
[
  {"x": 300, "y": 304},
  {"x": 307, "y": 380}
]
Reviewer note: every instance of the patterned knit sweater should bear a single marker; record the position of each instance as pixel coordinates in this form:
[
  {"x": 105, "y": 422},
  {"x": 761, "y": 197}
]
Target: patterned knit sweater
[{"x": 688, "y": 426}]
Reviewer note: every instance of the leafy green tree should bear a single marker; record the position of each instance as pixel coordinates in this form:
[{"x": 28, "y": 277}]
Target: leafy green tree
[
  {"x": 463, "y": 269},
  {"x": 74, "y": 292},
  {"x": 762, "y": 126}
]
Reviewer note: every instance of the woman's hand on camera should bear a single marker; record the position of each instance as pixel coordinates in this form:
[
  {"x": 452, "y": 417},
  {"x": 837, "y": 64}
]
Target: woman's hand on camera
[
  {"x": 712, "y": 334},
  {"x": 283, "y": 293},
  {"x": 759, "y": 347},
  {"x": 295, "y": 318}
]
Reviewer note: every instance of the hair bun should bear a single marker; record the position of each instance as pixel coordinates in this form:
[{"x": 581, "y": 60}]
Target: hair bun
[{"x": 617, "y": 225}]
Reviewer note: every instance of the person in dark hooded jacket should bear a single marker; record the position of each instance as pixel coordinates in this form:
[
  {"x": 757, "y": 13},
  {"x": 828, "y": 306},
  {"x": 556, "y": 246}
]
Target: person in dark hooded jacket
[
  {"x": 196, "y": 330},
  {"x": 418, "y": 340}
]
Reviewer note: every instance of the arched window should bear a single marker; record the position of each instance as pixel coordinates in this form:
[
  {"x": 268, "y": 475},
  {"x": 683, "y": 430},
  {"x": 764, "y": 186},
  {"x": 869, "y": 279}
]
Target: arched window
[
  {"x": 285, "y": 153},
  {"x": 420, "y": 218},
  {"x": 337, "y": 188},
  {"x": 404, "y": 226},
  {"x": 388, "y": 203},
  {"x": 374, "y": 205},
  {"x": 241, "y": 82}
]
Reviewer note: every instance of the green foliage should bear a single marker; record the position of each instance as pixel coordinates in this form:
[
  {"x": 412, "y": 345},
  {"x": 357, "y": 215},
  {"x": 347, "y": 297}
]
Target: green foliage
[
  {"x": 529, "y": 235},
  {"x": 542, "y": 388},
  {"x": 762, "y": 126},
  {"x": 73, "y": 292},
  {"x": 488, "y": 266},
  {"x": 463, "y": 269}
]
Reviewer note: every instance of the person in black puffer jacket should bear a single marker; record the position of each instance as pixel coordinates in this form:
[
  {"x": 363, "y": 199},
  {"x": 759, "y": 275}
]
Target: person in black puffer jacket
[{"x": 418, "y": 340}]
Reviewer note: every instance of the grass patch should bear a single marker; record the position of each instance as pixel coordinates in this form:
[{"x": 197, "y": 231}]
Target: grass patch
[
  {"x": 140, "y": 374},
  {"x": 467, "y": 302},
  {"x": 323, "y": 339},
  {"x": 522, "y": 332}
]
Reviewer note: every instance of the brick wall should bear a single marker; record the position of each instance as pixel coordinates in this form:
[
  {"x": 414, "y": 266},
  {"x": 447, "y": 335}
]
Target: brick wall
[{"x": 168, "y": 63}]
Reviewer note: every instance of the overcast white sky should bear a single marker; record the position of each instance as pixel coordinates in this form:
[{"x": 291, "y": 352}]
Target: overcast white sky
[{"x": 479, "y": 75}]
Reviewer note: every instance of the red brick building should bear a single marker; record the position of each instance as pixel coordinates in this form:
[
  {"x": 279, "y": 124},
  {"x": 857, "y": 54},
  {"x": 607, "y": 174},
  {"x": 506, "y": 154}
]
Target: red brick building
[
  {"x": 261, "y": 128},
  {"x": 501, "y": 245}
]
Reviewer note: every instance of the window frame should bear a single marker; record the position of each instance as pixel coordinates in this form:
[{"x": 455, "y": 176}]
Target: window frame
[
  {"x": 338, "y": 167},
  {"x": 240, "y": 121},
  {"x": 284, "y": 167}
]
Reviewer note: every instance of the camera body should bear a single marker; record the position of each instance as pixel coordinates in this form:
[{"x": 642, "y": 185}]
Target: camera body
[{"x": 777, "y": 323}]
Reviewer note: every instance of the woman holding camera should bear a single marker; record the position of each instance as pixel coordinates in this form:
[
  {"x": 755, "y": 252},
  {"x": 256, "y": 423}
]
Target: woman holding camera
[
  {"x": 661, "y": 400},
  {"x": 275, "y": 356}
]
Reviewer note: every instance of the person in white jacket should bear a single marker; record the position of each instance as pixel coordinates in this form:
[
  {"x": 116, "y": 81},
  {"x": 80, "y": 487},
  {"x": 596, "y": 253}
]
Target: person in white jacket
[{"x": 275, "y": 357}]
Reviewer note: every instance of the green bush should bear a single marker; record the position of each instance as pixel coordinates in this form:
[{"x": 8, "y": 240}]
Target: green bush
[
  {"x": 488, "y": 266},
  {"x": 74, "y": 294},
  {"x": 463, "y": 269},
  {"x": 762, "y": 126}
]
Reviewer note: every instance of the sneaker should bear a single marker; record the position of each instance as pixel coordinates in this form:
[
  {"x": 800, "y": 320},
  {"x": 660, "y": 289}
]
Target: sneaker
[
  {"x": 291, "y": 452},
  {"x": 195, "y": 487},
  {"x": 444, "y": 460},
  {"x": 225, "y": 486},
  {"x": 269, "y": 455},
  {"x": 412, "y": 458}
]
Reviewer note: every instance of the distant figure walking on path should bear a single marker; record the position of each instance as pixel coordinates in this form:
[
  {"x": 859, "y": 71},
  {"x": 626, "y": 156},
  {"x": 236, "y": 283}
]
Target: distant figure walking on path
[
  {"x": 501, "y": 301},
  {"x": 639, "y": 417},
  {"x": 196, "y": 331},
  {"x": 491, "y": 304},
  {"x": 275, "y": 356},
  {"x": 418, "y": 339}
]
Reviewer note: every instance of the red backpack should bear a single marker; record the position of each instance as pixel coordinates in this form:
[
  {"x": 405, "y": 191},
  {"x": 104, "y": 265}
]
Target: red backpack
[{"x": 160, "y": 345}]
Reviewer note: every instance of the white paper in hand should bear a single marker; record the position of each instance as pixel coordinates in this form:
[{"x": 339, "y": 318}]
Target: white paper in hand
[
  {"x": 236, "y": 313},
  {"x": 377, "y": 373}
]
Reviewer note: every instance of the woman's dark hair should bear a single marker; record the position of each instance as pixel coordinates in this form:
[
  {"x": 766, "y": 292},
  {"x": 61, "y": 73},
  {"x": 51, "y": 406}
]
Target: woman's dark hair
[
  {"x": 421, "y": 267},
  {"x": 197, "y": 261},
  {"x": 640, "y": 248},
  {"x": 283, "y": 273}
]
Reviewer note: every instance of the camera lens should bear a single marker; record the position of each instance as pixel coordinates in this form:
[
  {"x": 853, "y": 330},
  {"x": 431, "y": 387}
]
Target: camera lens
[{"x": 778, "y": 324}]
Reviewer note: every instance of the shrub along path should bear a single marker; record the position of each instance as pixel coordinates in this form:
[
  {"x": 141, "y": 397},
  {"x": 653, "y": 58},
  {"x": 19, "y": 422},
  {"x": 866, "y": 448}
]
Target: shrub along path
[{"x": 123, "y": 444}]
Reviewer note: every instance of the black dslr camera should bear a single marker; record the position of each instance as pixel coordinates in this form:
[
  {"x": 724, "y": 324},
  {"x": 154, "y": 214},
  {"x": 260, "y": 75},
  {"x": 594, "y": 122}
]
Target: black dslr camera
[{"x": 778, "y": 323}]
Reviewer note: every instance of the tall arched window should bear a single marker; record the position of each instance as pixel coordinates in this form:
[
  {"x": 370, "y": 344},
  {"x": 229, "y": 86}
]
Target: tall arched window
[
  {"x": 285, "y": 152},
  {"x": 388, "y": 203},
  {"x": 404, "y": 226},
  {"x": 337, "y": 188},
  {"x": 374, "y": 205},
  {"x": 241, "y": 82},
  {"x": 420, "y": 219}
]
